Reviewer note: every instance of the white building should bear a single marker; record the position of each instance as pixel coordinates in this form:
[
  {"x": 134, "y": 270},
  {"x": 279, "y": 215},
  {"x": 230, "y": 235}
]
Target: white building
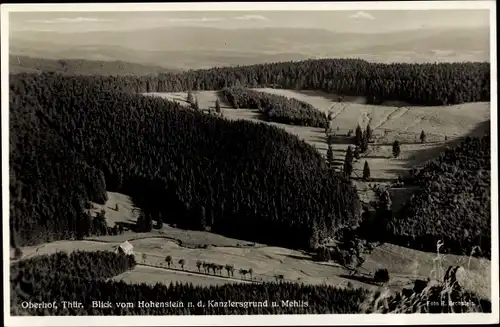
[{"x": 125, "y": 248}]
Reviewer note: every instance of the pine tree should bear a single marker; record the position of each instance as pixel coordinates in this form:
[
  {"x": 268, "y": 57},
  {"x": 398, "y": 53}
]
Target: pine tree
[
  {"x": 182, "y": 262},
  {"x": 357, "y": 154},
  {"x": 396, "y": 149},
  {"x": 358, "y": 136},
  {"x": 329, "y": 157},
  {"x": 363, "y": 143},
  {"x": 315, "y": 237},
  {"x": 190, "y": 98},
  {"x": 228, "y": 269},
  {"x": 366, "y": 171},
  {"x": 18, "y": 253},
  {"x": 217, "y": 106},
  {"x": 348, "y": 162},
  {"x": 148, "y": 223},
  {"x": 168, "y": 260},
  {"x": 203, "y": 218},
  {"x": 385, "y": 202},
  {"x": 196, "y": 105},
  {"x": 369, "y": 133},
  {"x": 422, "y": 137}
]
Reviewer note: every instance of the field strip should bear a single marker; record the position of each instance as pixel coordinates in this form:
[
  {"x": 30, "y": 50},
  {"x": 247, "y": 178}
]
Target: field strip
[
  {"x": 415, "y": 122},
  {"x": 393, "y": 115},
  {"x": 336, "y": 114},
  {"x": 386, "y": 118}
]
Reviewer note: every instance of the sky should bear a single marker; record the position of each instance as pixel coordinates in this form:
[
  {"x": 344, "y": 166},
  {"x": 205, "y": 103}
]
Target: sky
[{"x": 373, "y": 21}]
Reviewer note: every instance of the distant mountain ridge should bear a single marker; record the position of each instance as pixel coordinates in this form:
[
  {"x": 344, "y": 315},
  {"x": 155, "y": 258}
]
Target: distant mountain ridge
[
  {"x": 24, "y": 64},
  {"x": 196, "y": 47}
]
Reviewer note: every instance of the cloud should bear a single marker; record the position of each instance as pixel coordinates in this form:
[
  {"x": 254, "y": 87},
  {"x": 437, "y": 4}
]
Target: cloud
[
  {"x": 202, "y": 19},
  {"x": 214, "y": 19},
  {"x": 69, "y": 20},
  {"x": 362, "y": 15},
  {"x": 251, "y": 17},
  {"x": 33, "y": 29}
]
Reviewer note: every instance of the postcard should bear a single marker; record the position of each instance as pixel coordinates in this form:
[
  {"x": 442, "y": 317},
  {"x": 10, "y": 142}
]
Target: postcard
[{"x": 175, "y": 164}]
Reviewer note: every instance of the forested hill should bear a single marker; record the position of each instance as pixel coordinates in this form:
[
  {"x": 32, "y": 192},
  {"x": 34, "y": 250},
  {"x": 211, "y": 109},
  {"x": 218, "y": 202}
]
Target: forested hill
[
  {"x": 453, "y": 204},
  {"x": 419, "y": 84},
  {"x": 72, "y": 138},
  {"x": 24, "y": 64}
]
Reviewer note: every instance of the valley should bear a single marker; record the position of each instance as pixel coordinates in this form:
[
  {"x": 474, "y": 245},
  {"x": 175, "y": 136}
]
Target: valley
[
  {"x": 389, "y": 123},
  {"x": 240, "y": 202}
]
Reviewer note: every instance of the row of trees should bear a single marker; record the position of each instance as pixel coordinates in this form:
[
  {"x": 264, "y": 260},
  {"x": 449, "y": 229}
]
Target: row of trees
[
  {"x": 453, "y": 204},
  {"x": 71, "y": 140},
  {"x": 422, "y": 84},
  {"x": 208, "y": 267},
  {"x": 348, "y": 166},
  {"x": 275, "y": 108}
]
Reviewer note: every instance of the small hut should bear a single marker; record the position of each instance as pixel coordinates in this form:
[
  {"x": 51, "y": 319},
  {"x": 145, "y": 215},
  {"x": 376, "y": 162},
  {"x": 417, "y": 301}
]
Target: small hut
[{"x": 125, "y": 248}]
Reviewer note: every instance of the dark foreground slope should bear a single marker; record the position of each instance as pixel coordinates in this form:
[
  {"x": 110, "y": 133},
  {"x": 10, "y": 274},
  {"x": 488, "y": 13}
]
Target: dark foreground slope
[
  {"x": 453, "y": 204},
  {"x": 72, "y": 138},
  {"x": 58, "y": 278},
  {"x": 81, "y": 277}
]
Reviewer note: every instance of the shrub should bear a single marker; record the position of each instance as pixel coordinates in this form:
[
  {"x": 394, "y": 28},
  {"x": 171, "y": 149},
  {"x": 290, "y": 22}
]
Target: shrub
[{"x": 381, "y": 276}]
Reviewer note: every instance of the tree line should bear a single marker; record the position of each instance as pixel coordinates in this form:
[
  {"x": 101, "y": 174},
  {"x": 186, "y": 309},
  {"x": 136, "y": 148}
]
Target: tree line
[
  {"x": 82, "y": 264},
  {"x": 417, "y": 84},
  {"x": 71, "y": 139},
  {"x": 29, "y": 277},
  {"x": 275, "y": 108}
]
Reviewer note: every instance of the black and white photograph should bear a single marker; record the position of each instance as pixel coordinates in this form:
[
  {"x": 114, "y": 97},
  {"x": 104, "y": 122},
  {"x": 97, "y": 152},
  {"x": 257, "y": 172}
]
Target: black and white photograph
[{"x": 175, "y": 164}]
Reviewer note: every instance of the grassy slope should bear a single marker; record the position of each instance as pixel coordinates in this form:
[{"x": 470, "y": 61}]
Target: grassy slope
[
  {"x": 403, "y": 264},
  {"x": 388, "y": 123}
]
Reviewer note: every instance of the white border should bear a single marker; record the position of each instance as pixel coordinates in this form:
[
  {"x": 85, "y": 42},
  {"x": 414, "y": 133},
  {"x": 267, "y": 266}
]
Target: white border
[{"x": 374, "y": 319}]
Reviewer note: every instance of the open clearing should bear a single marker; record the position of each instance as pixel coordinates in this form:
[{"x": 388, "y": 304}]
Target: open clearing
[
  {"x": 398, "y": 121},
  {"x": 404, "y": 264},
  {"x": 389, "y": 123}
]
